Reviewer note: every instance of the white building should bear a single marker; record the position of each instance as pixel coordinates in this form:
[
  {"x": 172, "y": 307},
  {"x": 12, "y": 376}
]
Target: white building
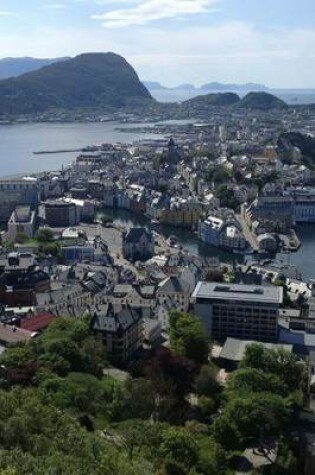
[{"x": 22, "y": 220}]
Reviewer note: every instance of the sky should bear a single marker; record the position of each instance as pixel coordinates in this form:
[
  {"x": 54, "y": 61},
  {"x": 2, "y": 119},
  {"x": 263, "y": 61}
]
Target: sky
[{"x": 173, "y": 41}]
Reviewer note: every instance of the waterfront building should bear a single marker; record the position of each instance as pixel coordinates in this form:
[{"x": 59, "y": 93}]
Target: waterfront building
[
  {"x": 247, "y": 312},
  {"x": 267, "y": 242},
  {"x": 275, "y": 213},
  {"x": 221, "y": 229},
  {"x": 304, "y": 208},
  {"x": 60, "y": 214},
  {"x": 85, "y": 209}
]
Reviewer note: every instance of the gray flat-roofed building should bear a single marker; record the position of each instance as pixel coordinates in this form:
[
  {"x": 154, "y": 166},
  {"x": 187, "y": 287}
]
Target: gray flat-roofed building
[
  {"x": 247, "y": 312},
  {"x": 234, "y": 349}
]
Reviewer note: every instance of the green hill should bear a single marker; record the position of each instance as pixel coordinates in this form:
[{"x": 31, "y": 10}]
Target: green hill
[
  {"x": 89, "y": 80},
  {"x": 261, "y": 101},
  {"x": 219, "y": 99}
]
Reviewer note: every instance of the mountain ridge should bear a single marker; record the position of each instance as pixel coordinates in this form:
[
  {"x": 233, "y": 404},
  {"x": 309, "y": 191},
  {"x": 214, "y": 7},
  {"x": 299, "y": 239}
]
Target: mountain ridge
[
  {"x": 14, "y": 67},
  {"x": 88, "y": 80}
]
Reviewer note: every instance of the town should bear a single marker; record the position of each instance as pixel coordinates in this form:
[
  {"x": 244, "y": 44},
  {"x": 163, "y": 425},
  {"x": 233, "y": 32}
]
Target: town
[{"x": 240, "y": 182}]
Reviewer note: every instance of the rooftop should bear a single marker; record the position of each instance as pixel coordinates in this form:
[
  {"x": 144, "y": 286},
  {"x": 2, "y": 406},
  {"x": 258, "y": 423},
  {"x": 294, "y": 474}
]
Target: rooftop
[{"x": 238, "y": 292}]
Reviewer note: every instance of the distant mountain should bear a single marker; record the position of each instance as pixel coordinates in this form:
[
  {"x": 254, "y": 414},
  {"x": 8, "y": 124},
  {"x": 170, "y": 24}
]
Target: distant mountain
[
  {"x": 88, "y": 80},
  {"x": 261, "y": 101},
  {"x": 211, "y": 87},
  {"x": 154, "y": 86},
  {"x": 151, "y": 85},
  {"x": 218, "y": 87},
  {"x": 219, "y": 99},
  {"x": 185, "y": 87},
  {"x": 12, "y": 67}
]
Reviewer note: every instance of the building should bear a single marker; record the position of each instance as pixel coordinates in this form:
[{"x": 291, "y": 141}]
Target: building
[
  {"x": 22, "y": 220},
  {"x": 247, "y": 312},
  {"x": 176, "y": 291},
  {"x": 267, "y": 242},
  {"x": 121, "y": 328},
  {"x": 78, "y": 253},
  {"x": 138, "y": 244},
  {"x": 304, "y": 208},
  {"x": 15, "y": 192},
  {"x": 20, "y": 279},
  {"x": 60, "y": 214},
  {"x": 275, "y": 213},
  {"x": 221, "y": 229}
]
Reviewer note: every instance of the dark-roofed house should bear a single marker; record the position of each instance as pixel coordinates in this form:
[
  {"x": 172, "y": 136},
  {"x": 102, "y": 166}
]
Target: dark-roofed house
[
  {"x": 138, "y": 244},
  {"x": 20, "y": 279},
  {"x": 176, "y": 290},
  {"x": 121, "y": 327}
]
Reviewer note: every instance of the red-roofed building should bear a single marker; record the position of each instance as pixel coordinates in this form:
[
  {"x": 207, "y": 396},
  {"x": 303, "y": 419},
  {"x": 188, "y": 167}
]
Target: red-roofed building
[{"x": 37, "y": 323}]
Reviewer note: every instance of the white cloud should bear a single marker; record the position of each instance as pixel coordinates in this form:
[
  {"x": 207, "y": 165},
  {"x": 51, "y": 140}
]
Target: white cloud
[
  {"x": 7, "y": 13},
  {"x": 151, "y": 10}
]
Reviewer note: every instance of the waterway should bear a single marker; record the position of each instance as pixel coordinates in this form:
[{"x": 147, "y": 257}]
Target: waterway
[
  {"x": 304, "y": 258},
  {"x": 19, "y": 141}
]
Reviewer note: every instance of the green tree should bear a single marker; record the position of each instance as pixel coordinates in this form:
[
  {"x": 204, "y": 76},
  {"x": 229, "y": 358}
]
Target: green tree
[
  {"x": 188, "y": 337},
  {"x": 254, "y": 380},
  {"x": 275, "y": 361},
  {"x": 138, "y": 399},
  {"x": 251, "y": 414},
  {"x": 21, "y": 238},
  {"x": 206, "y": 382},
  {"x": 179, "y": 446},
  {"x": 226, "y": 197},
  {"x": 45, "y": 235}
]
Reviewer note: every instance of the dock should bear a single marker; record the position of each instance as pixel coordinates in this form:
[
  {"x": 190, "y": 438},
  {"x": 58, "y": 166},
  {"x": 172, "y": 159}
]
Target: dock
[{"x": 45, "y": 152}]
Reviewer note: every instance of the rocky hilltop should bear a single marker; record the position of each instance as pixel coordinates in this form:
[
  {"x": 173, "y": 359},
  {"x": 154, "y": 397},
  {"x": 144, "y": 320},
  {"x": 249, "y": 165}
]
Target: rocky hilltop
[
  {"x": 261, "y": 101},
  {"x": 88, "y": 80},
  {"x": 218, "y": 99}
]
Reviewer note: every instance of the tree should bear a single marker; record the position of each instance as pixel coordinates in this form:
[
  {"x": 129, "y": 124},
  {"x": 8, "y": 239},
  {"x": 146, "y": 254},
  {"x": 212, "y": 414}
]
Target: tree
[
  {"x": 179, "y": 446},
  {"x": 21, "y": 237},
  {"x": 172, "y": 377},
  {"x": 138, "y": 398},
  {"x": 188, "y": 337},
  {"x": 45, "y": 235},
  {"x": 214, "y": 276},
  {"x": 254, "y": 380},
  {"x": 276, "y": 361},
  {"x": 246, "y": 416},
  {"x": 206, "y": 383},
  {"x": 226, "y": 197}
]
